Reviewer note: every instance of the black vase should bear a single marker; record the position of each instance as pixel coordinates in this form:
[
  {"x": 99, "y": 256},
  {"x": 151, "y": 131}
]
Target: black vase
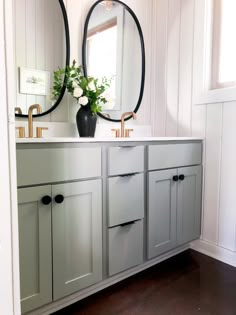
[{"x": 86, "y": 122}]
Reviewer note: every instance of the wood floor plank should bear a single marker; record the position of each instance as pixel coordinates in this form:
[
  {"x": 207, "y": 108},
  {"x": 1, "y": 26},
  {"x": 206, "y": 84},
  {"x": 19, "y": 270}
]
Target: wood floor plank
[{"x": 187, "y": 284}]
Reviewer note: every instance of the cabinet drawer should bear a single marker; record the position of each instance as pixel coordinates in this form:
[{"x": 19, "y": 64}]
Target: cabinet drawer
[
  {"x": 125, "y": 199},
  {"x": 125, "y": 160},
  {"x": 174, "y": 155},
  {"x": 37, "y": 166},
  {"x": 125, "y": 247}
]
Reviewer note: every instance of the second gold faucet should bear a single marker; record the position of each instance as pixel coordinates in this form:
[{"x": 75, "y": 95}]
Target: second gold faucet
[
  {"x": 39, "y": 130},
  {"x": 122, "y": 132},
  {"x": 30, "y": 122}
]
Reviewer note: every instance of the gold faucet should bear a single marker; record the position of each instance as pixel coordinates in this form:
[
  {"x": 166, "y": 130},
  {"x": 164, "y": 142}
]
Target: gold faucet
[
  {"x": 30, "y": 118},
  {"x": 125, "y": 133}
]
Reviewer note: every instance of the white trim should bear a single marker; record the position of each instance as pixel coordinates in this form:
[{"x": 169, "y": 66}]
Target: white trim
[
  {"x": 215, "y": 96},
  {"x": 9, "y": 266},
  {"x": 55, "y": 306},
  {"x": 202, "y": 94},
  {"x": 214, "y": 251}
]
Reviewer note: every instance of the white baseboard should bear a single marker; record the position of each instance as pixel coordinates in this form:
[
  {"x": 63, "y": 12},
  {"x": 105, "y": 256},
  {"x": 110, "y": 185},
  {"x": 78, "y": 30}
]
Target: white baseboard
[
  {"x": 55, "y": 306},
  {"x": 214, "y": 251}
]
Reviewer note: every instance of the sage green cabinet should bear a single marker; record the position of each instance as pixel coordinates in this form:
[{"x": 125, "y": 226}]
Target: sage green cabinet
[
  {"x": 35, "y": 247},
  {"x": 189, "y": 198},
  {"x": 161, "y": 212},
  {"x": 77, "y": 237},
  {"x": 61, "y": 243},
  {"x": 64, "y": 238},
  {"x": 174, "y": 208}
]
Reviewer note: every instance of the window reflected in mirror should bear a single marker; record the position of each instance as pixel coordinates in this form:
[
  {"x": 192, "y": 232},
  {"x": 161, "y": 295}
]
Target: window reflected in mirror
[{"x": 98, "y": 38}]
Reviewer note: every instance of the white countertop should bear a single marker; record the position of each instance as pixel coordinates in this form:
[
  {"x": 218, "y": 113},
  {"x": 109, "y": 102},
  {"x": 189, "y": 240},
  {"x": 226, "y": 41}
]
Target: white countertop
[{"x": 98, "y": 140}]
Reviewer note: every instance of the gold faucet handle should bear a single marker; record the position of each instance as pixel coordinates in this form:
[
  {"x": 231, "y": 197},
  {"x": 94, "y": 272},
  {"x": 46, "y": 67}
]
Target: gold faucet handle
[
  {"x": 21, "y": 133},
  {"x": 18, "y": 110},
  {"x": 117, "y": 132},
  {"x": 127, "y": 132},
  {"x": 39, "y": 131}
]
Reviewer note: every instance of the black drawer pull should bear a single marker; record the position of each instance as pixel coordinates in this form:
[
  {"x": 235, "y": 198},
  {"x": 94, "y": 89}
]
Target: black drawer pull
[
  {"x": 181, "y": 177},
  {"x": 128, "y": 175},
  {"x": 175, "y": 178},
  {"x": 46, "y": 200},
  {"x": 127, "y": 223},
  {"x": 59, "y": 198}
]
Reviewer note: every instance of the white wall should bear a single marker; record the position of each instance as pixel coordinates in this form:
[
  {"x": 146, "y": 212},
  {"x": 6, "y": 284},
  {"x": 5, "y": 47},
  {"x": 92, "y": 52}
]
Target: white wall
[{"x": 173, "y": 114}]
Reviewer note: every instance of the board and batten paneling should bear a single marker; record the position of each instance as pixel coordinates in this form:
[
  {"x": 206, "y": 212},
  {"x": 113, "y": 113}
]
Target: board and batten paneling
[
  {"x": 212, "y": 172},
  {"x": 227, "y": 211},
  {"x": 173, "y": 46},
  {"x": 159, "y": 66},
  {"x": 185, "y": 67}
]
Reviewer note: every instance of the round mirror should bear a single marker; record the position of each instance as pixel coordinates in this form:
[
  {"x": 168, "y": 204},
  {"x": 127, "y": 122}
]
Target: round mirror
[
  {"x": 41, "y": 46},
  {"x": 113, "y": 47}
]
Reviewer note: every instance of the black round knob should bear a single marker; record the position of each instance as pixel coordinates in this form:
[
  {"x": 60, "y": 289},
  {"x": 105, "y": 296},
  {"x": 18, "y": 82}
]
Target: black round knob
[
  {"x": 46, "y": 200},
  {"x": 59, "y": 198},
  {"x": 181, "y": 177},
  {"x": 175, "y": 178}
]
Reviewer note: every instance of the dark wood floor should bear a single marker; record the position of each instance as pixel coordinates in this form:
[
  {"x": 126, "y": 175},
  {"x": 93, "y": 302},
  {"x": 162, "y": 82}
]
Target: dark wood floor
[{"x": 188, "y": 284}]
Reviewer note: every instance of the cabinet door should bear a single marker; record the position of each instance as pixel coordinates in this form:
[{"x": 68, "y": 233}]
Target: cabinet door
[
  {"x": 77, "y": 237},
  {"x": 161, "y": 212},
  {"x": 35, "y": 247},
  {"x": 189, "y": 204}
]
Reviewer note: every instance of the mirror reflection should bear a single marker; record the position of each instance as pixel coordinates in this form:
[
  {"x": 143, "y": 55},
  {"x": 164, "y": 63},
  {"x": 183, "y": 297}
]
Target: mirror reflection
[
  {"x": 40, "y": 48},
  {"x": 113, "y": 50}
]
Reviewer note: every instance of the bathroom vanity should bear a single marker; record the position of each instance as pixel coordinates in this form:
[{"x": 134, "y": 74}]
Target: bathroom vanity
[{"x": 93, "y": 212}]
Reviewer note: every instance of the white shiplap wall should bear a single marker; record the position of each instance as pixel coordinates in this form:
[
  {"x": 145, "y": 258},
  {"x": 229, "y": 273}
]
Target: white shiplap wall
[{"x": 173, "y": 114}]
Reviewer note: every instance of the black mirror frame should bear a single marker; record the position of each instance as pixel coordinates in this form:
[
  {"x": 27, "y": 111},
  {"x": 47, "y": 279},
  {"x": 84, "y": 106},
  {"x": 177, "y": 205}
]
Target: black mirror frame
[
  {"x": 67, "y": 35},
  {"x": 142, "y": 49}
]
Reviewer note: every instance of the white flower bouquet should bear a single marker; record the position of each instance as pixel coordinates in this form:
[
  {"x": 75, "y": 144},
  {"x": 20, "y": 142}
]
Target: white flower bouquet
[{"x": 88, "y": 91}]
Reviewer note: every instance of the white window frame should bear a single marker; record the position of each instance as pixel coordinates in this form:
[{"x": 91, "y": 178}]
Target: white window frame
[{"x": 202, "y": 63}]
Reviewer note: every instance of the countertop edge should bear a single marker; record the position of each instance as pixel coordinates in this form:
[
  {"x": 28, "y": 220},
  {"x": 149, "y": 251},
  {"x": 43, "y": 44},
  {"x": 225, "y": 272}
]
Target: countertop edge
[{"x": 105, "y": 140}]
